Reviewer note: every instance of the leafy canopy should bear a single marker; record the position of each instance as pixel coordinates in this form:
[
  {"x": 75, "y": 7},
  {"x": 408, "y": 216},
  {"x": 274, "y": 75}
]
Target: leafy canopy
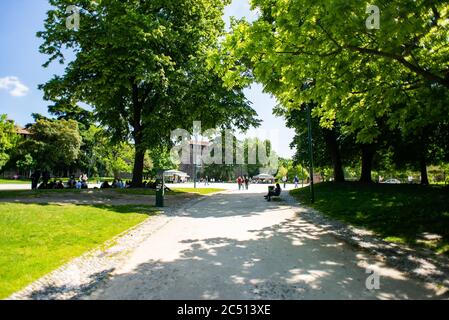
[{"x": 400, "y": 71}]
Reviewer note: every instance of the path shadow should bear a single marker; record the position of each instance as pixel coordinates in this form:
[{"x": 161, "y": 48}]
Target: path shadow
[
  {"x": 232, "y": 205},
  {"x": 289, "y": 261},
  {"x": 76, "y": 292}
]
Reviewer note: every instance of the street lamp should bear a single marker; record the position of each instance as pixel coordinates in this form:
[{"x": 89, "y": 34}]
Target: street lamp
[
  {"x": 309, "y": 122},
  {"x": 307, "y": 85},
  {"x": 194, "y": 174},
  {"x": 196, "y": 153}
]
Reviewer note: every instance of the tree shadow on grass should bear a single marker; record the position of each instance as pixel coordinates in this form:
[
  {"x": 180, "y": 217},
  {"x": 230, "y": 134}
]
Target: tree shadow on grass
[
  {"x": 122, "y": 209},
  {"x": 232, "y": 205},
  {"x": 404, "y": 213}
]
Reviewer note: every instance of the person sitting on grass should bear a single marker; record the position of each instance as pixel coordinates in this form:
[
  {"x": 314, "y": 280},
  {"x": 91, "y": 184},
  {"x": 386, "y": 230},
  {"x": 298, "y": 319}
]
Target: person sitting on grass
[
  {"x": 105, "y": 185},
  {"x": 60, "y": 185},
  {"x": 43, "y": 186},
  {"x": 51, "y": 185},
  {"x": 72, "y": 182},
  {"x": 274, "y": 193},
  {"x": 122, "y": 184}
]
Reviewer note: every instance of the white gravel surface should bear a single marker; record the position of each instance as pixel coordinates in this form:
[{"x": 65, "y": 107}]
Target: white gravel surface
[{"x": 237, "y": 246}]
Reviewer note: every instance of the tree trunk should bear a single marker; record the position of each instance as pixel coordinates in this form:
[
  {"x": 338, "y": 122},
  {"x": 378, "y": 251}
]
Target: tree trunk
[
  {"x": 424, "y": 175},
  {"x": 367, "y": 163},
  {"x": 138, "y": 167},
  {"x": 334, "y": 150}
]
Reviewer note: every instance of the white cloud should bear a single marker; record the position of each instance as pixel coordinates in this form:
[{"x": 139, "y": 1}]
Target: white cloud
[{"x": 14, "y": 86}]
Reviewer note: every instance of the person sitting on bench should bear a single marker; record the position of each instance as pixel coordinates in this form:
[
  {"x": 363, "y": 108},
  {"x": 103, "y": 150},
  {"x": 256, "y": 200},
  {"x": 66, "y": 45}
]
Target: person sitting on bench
[{"x": 274, "y": 193}]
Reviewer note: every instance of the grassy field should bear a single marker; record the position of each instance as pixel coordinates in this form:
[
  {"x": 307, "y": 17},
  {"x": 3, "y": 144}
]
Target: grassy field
[
  {"x": 37, "y": 239},
  {"x": 201, "y": 191},
  {"x": 11, "y": 194},
  {"x": 398, "y": 213},
  {"x": 8, "y": 194},
  {"x": 9, "y": 181}
]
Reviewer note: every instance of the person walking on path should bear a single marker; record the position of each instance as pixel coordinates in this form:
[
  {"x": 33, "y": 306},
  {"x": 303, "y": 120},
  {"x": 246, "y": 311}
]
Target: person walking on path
[
  {"x": 240, "y": 182},
  {"x": 247, "y": 183},
  {"x": 284, "y": 180},
  {"x": 296, "y": 181}
]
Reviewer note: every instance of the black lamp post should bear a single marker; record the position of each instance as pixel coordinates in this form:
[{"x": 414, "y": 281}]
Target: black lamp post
[
  {"x": 307, "y": 85},
  {"x": 309, "y": 122}
]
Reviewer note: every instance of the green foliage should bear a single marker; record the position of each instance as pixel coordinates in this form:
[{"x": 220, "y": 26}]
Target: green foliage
[
  {"x": 364, "y": 82},
  {"x": 359, "y": 76},
  {"x": 8, "y": 139},
  {"x": 26, "y": 163},
  {"x": 119, "y": 158},
  {"x": 53, "y": 144},
  {"x": 252, "y": 150},
  {"x": 291, "y": 169},
  {"x": 141, "y": 66},
  {"x": 159, "y": 160}
]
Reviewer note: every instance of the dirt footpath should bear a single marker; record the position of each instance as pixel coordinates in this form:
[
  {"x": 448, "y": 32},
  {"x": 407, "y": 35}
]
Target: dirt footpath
[{"x": 237, "y": 246}]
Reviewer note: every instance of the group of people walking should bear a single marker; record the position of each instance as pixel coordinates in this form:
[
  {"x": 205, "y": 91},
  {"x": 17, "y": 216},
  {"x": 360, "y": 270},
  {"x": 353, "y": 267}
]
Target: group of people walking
[
  {"x": 243, "y": 183},
  {"x": 295, "y": 181}
]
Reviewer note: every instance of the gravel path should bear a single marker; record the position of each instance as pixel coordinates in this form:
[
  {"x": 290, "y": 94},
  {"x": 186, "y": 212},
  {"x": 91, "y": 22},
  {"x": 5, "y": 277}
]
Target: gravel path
[{"x": 235, "y": 245}]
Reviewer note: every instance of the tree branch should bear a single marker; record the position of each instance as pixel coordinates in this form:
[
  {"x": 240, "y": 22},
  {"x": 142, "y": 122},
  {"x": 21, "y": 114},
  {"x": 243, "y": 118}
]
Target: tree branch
[{"x": 418, "y": 70}]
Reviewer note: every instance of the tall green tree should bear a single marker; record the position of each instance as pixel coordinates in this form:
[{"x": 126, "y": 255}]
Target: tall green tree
[
  {"x": 399, "y": 72},
  {"x": 141, "y": 66},
  {"x": 8, "y": 139},
  {"x": 53, "y": 144}
]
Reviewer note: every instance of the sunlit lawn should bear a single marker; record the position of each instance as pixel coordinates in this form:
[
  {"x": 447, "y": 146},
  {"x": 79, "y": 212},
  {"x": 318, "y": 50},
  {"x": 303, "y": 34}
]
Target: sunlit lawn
[
  {"x": 37, "y": 239},
  {"x": 17, "y": 194},
  {"x": 174, "y": 191},
  {"x": 202, "y": 191},
  {"x": 398, "y": 213},
  {"x": 10, "y": 181}
]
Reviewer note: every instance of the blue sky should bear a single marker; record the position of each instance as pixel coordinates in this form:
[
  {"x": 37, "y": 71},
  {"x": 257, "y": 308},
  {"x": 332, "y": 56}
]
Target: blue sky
[{"x": 21, "y": 69}]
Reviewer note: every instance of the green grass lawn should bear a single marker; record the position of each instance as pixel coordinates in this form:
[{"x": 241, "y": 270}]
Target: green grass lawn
[
  {"x": 37, "y": 239},
  {"x": 12, "y": 194},
  {"x": 10, "y": 181},
  {"x": 398, "y": 213},
  {"x": 201, "y": 191},
  {"x": 8, "y": 194}
]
